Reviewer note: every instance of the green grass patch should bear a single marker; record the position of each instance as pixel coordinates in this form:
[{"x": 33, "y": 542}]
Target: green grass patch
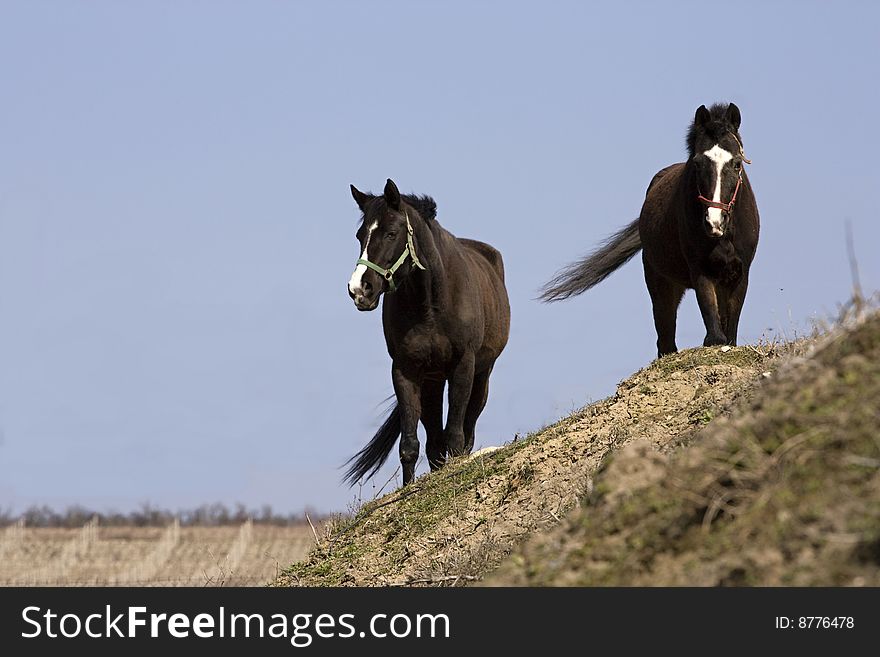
[{"x": 688, "y": 359}]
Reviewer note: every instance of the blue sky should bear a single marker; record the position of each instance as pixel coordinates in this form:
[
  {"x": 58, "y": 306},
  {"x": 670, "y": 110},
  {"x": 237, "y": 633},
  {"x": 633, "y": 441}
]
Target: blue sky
[{"x": 176, "y": 229}]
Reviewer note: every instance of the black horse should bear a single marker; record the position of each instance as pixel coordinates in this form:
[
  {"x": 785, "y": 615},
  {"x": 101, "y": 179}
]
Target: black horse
[
  {"x": 690, "y": 236},
  {"x": 446, "y": 317}
]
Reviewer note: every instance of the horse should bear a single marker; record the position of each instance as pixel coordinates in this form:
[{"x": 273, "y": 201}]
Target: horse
[
  {"x": 446, "y": 318},
  {"x": 690, "y": 237}
]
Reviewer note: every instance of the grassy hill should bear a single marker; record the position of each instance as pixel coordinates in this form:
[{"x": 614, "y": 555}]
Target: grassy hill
[{"x": 750, "y": 465}]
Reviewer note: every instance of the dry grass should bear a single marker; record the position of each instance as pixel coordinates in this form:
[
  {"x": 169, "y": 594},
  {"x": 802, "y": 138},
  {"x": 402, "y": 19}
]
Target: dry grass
[{"x": 245, "y": 555}]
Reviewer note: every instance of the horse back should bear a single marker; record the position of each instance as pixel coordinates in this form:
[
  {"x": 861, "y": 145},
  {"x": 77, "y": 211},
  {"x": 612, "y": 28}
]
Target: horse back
[
  {"x": 656, "y": 215},
  {"x": 483, "y": 279},
  {"x": 659, "y": 226},
  {"x": 490, "y": 253},
  {"x": 676, "y": 168}
]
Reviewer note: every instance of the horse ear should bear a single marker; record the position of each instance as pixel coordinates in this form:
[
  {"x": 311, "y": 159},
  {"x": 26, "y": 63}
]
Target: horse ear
[
  {"x": 734, "y": 116},
  {"x": 702, "y": 118},
  {"x": 392, "y": 195},
  {"x": 359, "y": 197}
]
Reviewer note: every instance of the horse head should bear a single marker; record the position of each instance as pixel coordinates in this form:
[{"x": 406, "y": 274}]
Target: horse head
[
  {"x": 717, "y": 158},
  {"x": 388, "y": 248}
]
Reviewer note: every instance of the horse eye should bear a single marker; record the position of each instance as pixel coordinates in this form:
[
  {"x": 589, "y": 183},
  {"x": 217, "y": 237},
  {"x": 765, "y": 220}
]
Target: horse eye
[{"x": 391, "y": 235}]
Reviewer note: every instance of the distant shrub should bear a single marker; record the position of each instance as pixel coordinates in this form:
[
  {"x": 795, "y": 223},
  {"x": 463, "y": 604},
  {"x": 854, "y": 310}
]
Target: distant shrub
[{"x": 207, "y": 515}]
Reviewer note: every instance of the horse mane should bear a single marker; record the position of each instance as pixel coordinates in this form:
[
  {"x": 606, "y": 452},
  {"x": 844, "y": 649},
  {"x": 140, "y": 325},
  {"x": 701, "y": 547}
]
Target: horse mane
[
  {"x": 716, "y": 128},
  {"x": 424, "y": 205}
]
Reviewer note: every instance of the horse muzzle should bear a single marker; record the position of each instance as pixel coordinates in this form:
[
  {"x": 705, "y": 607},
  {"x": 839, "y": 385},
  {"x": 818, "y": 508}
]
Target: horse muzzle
[
  {"x": 715, "y": 222},
  {"x": 363, "y": 293},
  {"x": 363, "y": 302},
  {"x": 714, "y": 232}
]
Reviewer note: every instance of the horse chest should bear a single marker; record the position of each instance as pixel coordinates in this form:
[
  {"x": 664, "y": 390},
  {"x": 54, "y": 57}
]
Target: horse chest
[
  {"x": 724, "y": 264},
  {"x": 424, "y": 347}
]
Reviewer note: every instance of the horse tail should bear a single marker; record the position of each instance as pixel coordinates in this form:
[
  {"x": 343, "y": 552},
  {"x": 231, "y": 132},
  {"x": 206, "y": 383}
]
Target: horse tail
[
  {"x": 375, "y": 452},
  {"x": 594, "y": 268}
]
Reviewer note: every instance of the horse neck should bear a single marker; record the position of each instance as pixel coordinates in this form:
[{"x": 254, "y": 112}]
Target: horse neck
[
  {"x": 689, "y": 191},
  {"x": 689, "y": 188},
  {"x": 426, "y": 289}
]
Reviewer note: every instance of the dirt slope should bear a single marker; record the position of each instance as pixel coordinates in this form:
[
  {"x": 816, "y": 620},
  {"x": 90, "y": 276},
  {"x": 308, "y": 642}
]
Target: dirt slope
[
  {"x": 453, "y": 526},
  {"x": 784, "y": 491}
]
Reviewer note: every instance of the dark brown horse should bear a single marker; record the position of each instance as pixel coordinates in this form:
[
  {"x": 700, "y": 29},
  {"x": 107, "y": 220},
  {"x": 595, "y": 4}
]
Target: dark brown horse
[
  {"x": 446, "y": 317},
  {"x": 698, "y": 229}
]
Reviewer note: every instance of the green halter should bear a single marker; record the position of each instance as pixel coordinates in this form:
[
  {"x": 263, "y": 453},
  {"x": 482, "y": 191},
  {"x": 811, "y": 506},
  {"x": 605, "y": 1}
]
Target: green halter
[{"x": 410, "y": 250}]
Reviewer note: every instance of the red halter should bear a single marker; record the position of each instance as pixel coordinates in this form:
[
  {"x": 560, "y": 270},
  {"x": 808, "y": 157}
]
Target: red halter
[{"x": 724, "y": 207}]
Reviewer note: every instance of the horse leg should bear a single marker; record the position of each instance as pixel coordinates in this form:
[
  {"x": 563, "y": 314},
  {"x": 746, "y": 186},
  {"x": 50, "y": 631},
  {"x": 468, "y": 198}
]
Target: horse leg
[
  {"x": 665, "y": 297},
  {"x": 479, "y": 395},
  {"x": 461, "y": 382},
  {"x": 734, "y": 308},
  {"x": 407, "y": 388},
  {"x": 432, "y": 420},
  {"x": 722, "y": 295},
  {"x": 707, "y": 299}
]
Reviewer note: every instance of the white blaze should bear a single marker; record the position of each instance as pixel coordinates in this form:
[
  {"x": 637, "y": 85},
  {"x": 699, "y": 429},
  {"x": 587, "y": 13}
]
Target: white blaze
[
  {"x": 720, "y": 157},
  {"x": 354, "y": 283}
]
